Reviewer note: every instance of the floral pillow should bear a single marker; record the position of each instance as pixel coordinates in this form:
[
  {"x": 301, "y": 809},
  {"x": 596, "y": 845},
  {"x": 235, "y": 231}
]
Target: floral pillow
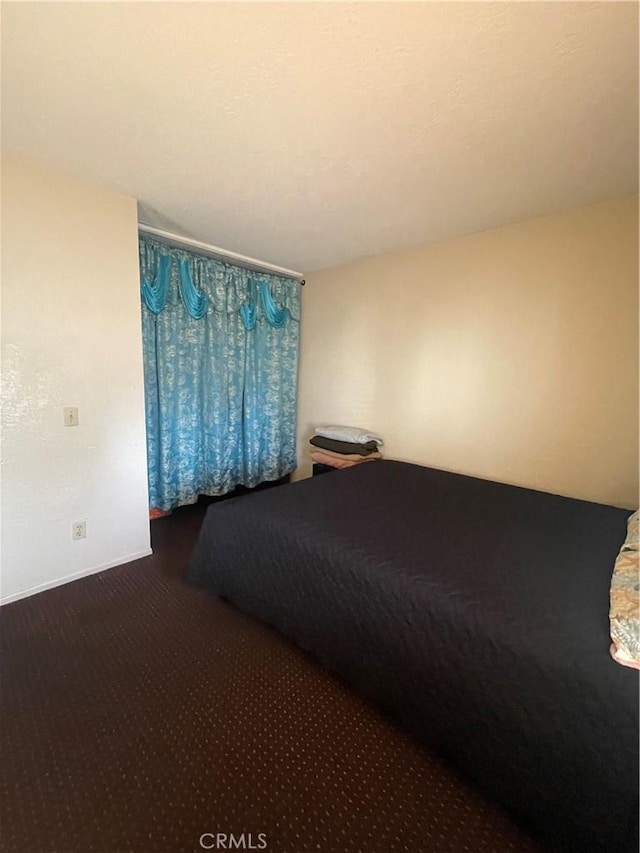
[{"x": 624, "y": 612}]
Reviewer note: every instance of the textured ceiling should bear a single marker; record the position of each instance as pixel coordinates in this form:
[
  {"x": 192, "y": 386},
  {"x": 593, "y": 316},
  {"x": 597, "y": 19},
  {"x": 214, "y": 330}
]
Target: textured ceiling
[{"x": 312, "y": 134}]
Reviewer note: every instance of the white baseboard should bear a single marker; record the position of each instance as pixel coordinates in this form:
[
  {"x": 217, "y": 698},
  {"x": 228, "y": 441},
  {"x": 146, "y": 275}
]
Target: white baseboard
[{"x": 75, "y": 576}]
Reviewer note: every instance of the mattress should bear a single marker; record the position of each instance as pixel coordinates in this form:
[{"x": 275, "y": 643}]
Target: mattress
[{"x": 474, "y": 613}]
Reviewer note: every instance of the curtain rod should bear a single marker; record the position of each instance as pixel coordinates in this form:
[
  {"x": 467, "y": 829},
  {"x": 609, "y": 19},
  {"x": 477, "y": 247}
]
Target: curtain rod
[{"x": 221, "y": 254}]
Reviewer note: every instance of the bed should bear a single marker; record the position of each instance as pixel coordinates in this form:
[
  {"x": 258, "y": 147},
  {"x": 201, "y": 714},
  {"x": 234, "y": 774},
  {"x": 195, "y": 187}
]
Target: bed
[{"x": 474, "y": 613}]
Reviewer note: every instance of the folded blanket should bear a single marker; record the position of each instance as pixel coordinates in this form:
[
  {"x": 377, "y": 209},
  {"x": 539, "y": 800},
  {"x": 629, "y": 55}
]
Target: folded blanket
[
  {"x": 344, "y": 446},
  {"x": 338, "y": 461},
  {"x": 351, "y": 457},
  {"x": 353, "y": 434},
  {"x": 624, "y": 612}
]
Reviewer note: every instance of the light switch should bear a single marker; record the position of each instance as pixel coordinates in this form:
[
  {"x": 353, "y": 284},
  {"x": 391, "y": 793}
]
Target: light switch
[{"x": 70, "y": 416}]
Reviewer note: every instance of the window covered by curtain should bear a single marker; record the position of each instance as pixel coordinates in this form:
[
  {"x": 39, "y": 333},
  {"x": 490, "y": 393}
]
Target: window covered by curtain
[{"x": 220, "y": 348}]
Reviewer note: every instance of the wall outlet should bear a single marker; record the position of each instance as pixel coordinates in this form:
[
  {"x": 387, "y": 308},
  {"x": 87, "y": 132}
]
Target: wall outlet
[
  {"x": 79, "y": 530},
  {"x": 71, "y": 416}
]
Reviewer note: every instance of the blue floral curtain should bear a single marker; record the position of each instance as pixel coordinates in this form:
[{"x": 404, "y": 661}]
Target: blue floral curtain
[{"x": 220, "y": 348}]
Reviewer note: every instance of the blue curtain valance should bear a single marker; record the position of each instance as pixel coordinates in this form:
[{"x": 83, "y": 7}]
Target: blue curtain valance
[
  {"x": 195, "y": 303},
  {"x": 173, "y": 276},
  {"x": 249, "y": 309},
  {"x": 155, "y": 292}
]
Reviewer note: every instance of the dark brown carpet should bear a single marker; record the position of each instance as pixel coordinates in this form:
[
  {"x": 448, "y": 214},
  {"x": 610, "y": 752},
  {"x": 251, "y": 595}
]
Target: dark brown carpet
[{"x": 138, "y": 714}]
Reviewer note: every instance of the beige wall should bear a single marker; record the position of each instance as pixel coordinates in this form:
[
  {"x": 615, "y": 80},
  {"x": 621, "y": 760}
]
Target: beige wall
[
  {"x": 510, "y": 354},
  {"x": 70, "y": 337}
]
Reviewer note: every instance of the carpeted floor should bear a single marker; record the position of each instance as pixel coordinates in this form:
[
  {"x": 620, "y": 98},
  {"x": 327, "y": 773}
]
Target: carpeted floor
[{"x": 139, "y": 714}]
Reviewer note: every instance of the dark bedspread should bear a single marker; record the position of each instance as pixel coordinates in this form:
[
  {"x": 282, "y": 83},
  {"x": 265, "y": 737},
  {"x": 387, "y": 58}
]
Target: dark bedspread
[{"x": 475, "y": 613}]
